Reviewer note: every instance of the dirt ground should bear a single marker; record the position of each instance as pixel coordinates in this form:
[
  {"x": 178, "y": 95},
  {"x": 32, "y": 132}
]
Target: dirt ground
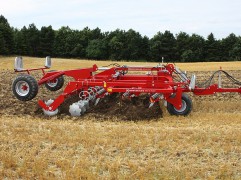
[{"x": 110, "y": 107}]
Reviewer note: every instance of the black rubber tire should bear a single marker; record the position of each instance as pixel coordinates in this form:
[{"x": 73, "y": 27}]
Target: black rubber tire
[
  {"x": 58, "y": 86},
  {"x": 187, "y": 102},
  {"x": 27, "y": 81}
]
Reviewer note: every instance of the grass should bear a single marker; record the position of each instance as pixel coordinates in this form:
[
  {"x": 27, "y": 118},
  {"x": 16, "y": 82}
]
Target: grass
[{"x": 203, "y": 145}]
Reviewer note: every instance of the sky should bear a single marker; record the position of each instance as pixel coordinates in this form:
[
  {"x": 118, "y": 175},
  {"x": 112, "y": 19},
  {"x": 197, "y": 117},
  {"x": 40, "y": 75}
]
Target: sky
[{"x": 221, "y": 17}]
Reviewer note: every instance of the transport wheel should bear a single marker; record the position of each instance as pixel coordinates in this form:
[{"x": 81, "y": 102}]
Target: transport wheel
[
  {"x": 56, "y": 84},
  {"x": 25, "y": 87},
  {"x": 185, "y": 109}
]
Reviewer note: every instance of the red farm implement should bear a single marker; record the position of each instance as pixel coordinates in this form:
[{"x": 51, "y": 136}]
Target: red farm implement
[{"x": 162, "y": 82}]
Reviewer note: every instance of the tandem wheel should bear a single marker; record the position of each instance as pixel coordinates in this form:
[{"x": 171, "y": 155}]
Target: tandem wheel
[{"x": 25, "y": 87}]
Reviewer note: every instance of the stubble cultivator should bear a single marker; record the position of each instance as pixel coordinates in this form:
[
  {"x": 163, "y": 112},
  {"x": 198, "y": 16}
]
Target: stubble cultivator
[{"x": 162, "y": 82}]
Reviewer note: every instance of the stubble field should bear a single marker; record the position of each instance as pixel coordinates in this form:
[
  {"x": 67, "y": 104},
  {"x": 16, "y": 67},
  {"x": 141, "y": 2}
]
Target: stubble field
[{"x": 204, "y": 145}]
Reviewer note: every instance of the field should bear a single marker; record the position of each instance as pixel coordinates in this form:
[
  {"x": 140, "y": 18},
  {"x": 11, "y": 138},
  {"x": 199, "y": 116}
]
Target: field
[{"x": 204, "y": 145}]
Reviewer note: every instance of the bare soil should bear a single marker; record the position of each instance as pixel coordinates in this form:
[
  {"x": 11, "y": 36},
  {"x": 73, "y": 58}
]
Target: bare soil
[{"x": 109, "y": 107}]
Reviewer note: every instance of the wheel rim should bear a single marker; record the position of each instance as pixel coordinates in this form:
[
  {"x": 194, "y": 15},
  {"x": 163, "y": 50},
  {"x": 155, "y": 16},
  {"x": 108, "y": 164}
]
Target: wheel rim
[
  {"x": 53, "y": 83},
  {"x": 183, "y": 108},
  {"x": 22, "y": 88}
]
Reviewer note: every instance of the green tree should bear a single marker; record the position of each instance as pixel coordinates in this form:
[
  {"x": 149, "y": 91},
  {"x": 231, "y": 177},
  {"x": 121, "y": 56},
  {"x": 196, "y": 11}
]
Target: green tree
[
  {"x": 3, "y": 48},
  {"x": 20, "y": 44},
  {"x": 227, "y": 45},
  {"x": 94, "y": 34},
  {"x": 196, "y": 45},
  {"x": 46, "y": 41},
  {"x": 144, "y": 51},
  {"x": 132, "y": 45},
  {"x": 211, "y": 49},
  {"x": 187, "y": 56},
  {"x": 116, "y": 44},
  {"x": 84, "y": 37},
  {"x": 97, "y": 49},
  {"x": 163, "y": 45},
  {"x": 235, "y": 53},
  {"x": 6, "y": 37},
  {"x": 4, "y": 21},
  {"x": 182, "y": 45},
  {"x": 31, "y": 37},
  {"x": 62, "y": 43}
]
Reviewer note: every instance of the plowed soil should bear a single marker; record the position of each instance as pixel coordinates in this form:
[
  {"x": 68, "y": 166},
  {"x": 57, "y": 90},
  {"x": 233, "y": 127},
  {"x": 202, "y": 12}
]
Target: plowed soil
[{"x": 107, "y": 108}]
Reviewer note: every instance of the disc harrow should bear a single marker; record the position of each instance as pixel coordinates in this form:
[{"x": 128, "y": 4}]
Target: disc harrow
[{"x": 164, "y": 82}]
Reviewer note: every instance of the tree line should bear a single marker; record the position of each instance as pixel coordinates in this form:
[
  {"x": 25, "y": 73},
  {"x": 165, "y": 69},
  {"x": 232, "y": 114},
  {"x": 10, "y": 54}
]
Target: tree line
[{"x": 115, "y": 45}]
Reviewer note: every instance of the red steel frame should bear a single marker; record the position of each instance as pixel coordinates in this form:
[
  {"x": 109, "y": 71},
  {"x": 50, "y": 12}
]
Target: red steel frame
[{"x": 160, "y": 80}]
